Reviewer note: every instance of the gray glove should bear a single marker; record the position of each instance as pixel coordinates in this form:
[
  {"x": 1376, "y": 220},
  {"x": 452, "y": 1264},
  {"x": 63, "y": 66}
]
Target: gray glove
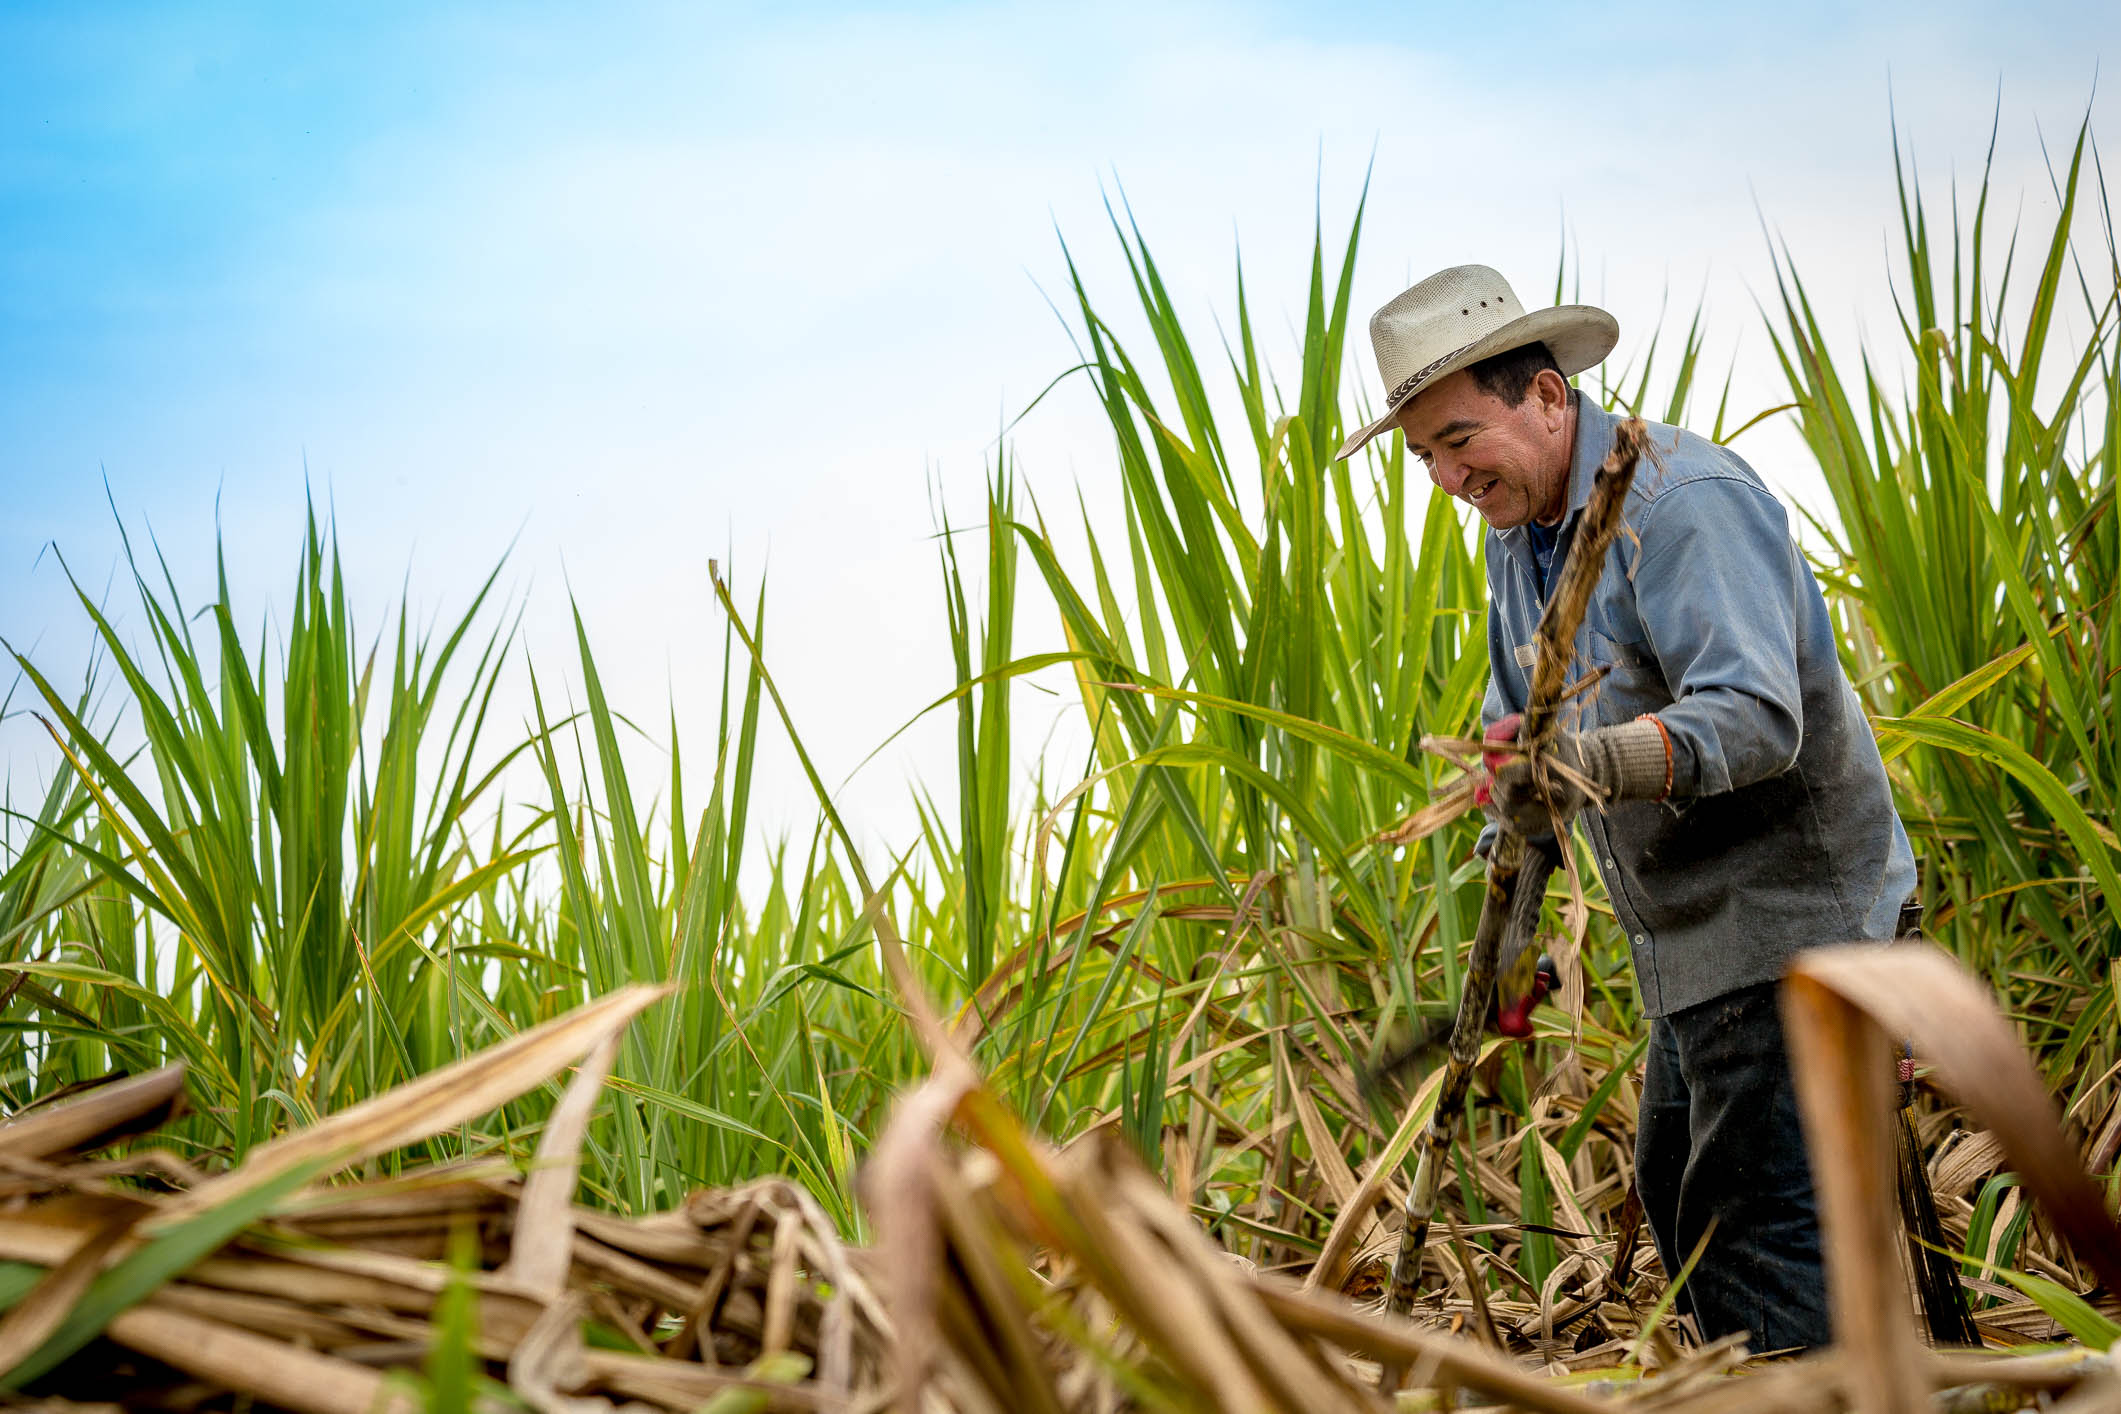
[{"x": 1629, "y": 761}]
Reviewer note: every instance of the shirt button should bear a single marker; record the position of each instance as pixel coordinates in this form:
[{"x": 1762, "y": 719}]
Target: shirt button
[
  {"x": 1638, "y": 940},
  {"x": 1609, "y": 861}
]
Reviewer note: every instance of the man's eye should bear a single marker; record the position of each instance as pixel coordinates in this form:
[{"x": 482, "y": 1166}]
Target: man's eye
[{"x": 1460, "y": 442}]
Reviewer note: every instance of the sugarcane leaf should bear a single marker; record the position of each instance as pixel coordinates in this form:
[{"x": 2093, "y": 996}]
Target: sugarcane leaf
[
  {"x": 2067, "y": 1309},
  {"x": 1948, "y": 699},
  {"x": 1352, "y": 748},
  {"x": 2084, "y": 833}
]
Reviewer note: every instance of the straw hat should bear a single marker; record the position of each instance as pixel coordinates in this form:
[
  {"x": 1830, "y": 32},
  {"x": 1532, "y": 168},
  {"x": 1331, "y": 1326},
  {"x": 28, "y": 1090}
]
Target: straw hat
[{"x": 1461, "y": 316}]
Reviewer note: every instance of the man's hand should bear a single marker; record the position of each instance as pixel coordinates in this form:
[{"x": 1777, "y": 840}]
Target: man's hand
[{"x": 1631, "y": 761}]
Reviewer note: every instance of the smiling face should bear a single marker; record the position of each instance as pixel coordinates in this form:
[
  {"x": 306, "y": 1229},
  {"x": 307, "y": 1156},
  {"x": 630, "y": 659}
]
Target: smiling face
[{"x": 1509, "y": 463}]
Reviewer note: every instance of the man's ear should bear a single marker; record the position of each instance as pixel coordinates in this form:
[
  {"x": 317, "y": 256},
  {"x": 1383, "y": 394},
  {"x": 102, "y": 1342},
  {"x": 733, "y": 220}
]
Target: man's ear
[{"x": 1552, "y": 392}]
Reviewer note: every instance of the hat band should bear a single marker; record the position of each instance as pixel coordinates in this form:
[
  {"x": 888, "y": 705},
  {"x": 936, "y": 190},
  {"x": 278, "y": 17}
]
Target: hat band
[{"x": 1408, "y": 384}]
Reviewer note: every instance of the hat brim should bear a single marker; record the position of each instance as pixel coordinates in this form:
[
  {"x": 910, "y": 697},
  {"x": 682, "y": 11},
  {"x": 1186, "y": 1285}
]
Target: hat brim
[{"x": 1578, "y": 335}]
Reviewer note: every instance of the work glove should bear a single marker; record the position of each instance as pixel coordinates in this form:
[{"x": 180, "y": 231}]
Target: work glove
[{"x": 1630, "y": 761}]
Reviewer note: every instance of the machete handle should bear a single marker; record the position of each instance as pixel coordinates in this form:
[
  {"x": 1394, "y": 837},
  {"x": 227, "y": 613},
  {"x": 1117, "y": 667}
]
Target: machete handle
[
  {"x": 1517, "y": 970},
  {"x": 1515, "y": 1020}
]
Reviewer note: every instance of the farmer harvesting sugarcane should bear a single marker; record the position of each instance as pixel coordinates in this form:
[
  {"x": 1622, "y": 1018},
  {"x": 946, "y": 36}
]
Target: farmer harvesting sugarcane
[{"x": 1726, "y": 779}]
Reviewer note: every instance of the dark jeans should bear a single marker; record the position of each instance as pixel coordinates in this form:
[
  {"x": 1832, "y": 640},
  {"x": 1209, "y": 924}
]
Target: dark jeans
[{"x": 1718, "y": 1139}]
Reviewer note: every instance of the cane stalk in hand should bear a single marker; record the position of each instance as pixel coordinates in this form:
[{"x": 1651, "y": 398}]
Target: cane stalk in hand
[{"x": 1514, "y": 890}]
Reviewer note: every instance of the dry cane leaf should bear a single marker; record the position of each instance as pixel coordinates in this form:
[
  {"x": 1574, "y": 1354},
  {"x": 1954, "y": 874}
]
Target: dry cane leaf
[
  {"x": 1339, "y": 1178},
  {"x": 1918, "y": 991},
  {"x": 90, "y": 1121},
  {"x": 1352, "y": 1220},
  {"x": 1842, "y": 1006},
  {"x": 680, "y": 1384},
  {"x": 301, "y": 1322},
  {"x": 2097, "y": 1396},
  {"x": 1454, "y": 802},
  {"x": 1962, "y": 1164},
  {"x": 267, "y": 1370},
  {"x": 1397, "y": 1339},
  {"x": 1014, "y": 1368},
  {"x": 835, "y": 1342},
  {"x": 1166, "y": 1308},
  {"x": 349, "y": 1276},
  {"x": 699, "y": 1312},
  {"x": 630, "y": 1275},
  {"x": 900, "y": 1196},
  {"x": 1228, "y": 1291},
  {"x": 542, "y": 1246},
  {"x": 780, "y": 1291},
  {"x": 549, "y": 1363},
  {"x": 417, "y": 1200},
  {"x": 2057, "y": 1371},
  {"x": 1842, "y": 1064},
  {"x": 48, "y": 1232},
  {"x": 41, "y": 1312}
]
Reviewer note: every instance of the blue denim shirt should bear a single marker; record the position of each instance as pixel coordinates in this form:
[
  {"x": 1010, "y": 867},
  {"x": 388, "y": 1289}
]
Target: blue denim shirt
[{"x": 1779, "y": 833}]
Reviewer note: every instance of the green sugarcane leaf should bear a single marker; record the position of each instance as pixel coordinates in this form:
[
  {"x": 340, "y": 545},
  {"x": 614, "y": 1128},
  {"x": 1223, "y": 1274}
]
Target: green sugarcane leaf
[
  {"x": 1892, "y": 742},
  {"x": 2084, "y": 833},
  {"x": 2067, "y": 1309},
  {"x": 1352, "y": 748}
]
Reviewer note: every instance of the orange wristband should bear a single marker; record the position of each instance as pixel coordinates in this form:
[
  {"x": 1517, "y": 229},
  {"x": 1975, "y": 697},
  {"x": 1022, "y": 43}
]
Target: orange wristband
[{"x": 1666, "y": 733}]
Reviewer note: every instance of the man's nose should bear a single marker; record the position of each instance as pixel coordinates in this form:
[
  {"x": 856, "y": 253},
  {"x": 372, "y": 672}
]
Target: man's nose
[{"x": 1448, "y": 473}]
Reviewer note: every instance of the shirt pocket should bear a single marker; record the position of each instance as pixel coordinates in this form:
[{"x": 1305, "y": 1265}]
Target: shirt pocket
[{"x": 1633, "y": 683}]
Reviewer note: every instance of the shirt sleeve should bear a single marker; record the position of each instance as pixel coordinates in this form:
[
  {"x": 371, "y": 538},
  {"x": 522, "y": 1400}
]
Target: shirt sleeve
[
  {"x": 1492, "y": 707},
  {"x": 1720, "y": 589},
  {"x": 1497, "y": 704}
]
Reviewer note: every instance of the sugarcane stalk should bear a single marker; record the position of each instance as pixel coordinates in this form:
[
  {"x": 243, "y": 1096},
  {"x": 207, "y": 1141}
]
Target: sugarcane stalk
[
  {"x": 1511, "y": 905},
  {"x": 1519, "y": 890}
]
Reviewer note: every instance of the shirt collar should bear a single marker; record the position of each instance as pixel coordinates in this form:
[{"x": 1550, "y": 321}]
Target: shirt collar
[{"x": 1594, "y": 442}]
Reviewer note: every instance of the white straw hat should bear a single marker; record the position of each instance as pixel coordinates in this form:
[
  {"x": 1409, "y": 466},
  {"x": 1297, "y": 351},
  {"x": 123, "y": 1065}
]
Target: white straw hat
[{"x": 1461, "y": 316}]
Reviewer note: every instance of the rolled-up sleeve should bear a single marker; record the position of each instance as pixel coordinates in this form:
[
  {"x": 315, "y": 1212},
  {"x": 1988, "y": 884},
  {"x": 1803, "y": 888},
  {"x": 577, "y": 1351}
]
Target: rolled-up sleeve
[{"x": 1720, "y": 590}]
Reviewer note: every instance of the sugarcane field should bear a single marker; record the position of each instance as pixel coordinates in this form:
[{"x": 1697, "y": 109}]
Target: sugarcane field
[{"x": 960, "y": 710}]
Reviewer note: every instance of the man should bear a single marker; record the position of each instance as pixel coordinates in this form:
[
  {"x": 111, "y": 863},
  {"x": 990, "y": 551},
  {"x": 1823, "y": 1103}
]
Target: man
[{"x": 1745, "y": 812}]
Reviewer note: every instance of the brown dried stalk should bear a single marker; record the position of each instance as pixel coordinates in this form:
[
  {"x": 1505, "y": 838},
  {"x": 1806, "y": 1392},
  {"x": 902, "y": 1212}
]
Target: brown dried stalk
[{"x": 1841, "y": 1006}]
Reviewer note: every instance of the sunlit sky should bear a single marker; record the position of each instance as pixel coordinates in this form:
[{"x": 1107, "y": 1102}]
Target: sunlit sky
[{"x": 633, "y": 286}]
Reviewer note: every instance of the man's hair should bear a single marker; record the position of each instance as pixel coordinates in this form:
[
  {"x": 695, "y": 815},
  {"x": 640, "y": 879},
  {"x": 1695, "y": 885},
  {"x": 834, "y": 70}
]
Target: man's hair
[{"x": 1509, "y": 374}]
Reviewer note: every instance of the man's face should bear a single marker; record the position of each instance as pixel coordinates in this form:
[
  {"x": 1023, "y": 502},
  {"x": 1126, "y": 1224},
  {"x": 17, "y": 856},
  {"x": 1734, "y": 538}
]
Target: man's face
[{"x": 1509, "y": 463}]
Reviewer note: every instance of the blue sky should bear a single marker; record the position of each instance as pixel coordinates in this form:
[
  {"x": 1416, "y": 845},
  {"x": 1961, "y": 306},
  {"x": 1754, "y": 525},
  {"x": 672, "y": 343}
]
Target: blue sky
[{"x": 634, "y": 285}]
